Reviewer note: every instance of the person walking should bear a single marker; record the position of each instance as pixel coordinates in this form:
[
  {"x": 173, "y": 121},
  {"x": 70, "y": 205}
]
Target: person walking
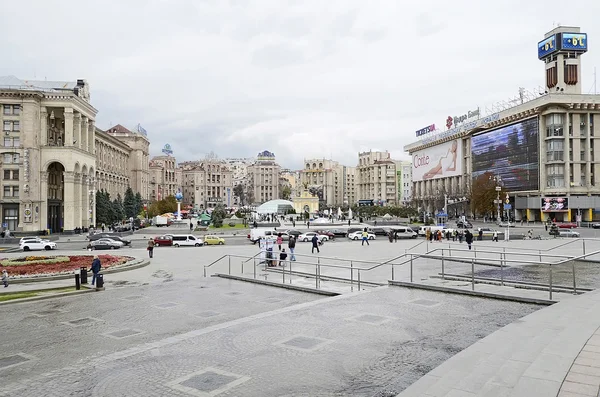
[
  {"x": 365, "y": 236},
  {"x": 469, "y": 238},
  {"x": 348, "y": 222},
  {"x": 292, "y": 247},
  {"x": 279, "y": 241},
  {"x": 495, "y": 236},
  {"x": 5, "y": 278},
  {"x": 191, "y": 226},
  {"x": 315, "y": 244},
  {"x": 150, "y": 248},
  {"x": 95, "y": 269},
  {"x": 480, "y": 237}
]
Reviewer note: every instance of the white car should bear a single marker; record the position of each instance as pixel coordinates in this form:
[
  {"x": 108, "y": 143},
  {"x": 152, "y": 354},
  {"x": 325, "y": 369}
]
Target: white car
[
  {"x": 568, "y": 233},
  {"x": 37, "y": 245},
  {"x": 306, "y": 237},
  {"x": 358, "y": 236}
]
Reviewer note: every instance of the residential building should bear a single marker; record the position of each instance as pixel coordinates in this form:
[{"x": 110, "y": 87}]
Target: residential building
[
  {"x": 376, "y": 179},
  {"x": 164, "y": 177},
  {"x": 540, "y": 152},
  {"x": 345, "y": 185},
  {"x": 333, "y": 183},
  {"x": 207, "y": 183},
  {"x": 239, "y": 170},
  {"x": 404, "y": 182},
  {"x": 262, "y": 181},
  {"x": 291, "y": 179},
  {"x": 48, "y": 155},
  {"x": 139, "y": 153}
]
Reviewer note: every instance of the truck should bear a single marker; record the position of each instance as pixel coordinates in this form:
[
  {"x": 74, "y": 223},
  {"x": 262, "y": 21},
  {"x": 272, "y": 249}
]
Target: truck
[{"x": 161, "y": 221}]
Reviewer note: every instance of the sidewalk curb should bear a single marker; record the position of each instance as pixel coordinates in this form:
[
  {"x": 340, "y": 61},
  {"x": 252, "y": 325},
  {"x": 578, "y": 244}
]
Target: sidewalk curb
[
  {"x": 50, "y": 296},
  {"x": 134, "y": 264},
  {"x": 278, "y": 285}
]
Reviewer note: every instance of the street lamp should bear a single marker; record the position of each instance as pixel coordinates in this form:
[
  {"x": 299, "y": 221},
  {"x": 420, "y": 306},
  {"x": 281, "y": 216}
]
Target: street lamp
[{"x": 498, "y": 180}]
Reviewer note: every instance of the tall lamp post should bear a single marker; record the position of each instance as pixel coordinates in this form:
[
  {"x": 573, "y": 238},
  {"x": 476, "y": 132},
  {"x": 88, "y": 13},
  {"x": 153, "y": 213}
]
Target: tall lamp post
[{"x": 498, "y": 180}]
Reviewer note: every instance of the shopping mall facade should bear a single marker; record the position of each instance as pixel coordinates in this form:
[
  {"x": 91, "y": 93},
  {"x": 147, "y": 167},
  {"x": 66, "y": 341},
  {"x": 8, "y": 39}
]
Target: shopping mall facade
[{"x": 540, "y": 151}]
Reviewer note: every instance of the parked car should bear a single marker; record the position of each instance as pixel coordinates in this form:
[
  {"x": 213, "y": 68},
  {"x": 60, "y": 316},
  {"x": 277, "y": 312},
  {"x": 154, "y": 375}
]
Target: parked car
[
  {"x": 330, "y": 235},
  {"x": 294, "y": 233},
  {"x": 187, "y": 240},
  {"x": 121, "y": 239},
  {"x": 380, "y": 231},
  {"x": 106, "y": 244},
  {"x": 460, "y": 224},
  {"x": 404, "y": 232},
  {"x": 213, "y": 240},
  {"x": 596, "y": 225},
  {"x": 507, "y": 224},
  {"x": 98, "y": 236},
  {"x": 339, "y": 232},
  {"x": 306, "y": 237},
  {"x": 358, "y": 236},
  {"x": 163, "y": 241},
  {"x": 37, "y": 244},
  {"x": 566, "y": 225},
  {"x": 568, "y": 233}
]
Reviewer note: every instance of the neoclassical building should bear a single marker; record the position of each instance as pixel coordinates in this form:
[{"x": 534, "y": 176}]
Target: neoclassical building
[
  {"x": 207, "y": 183},
  {"x": 164, "y": 177},
  {"x": 112, "y": 164},
  {"x": 48, "y": 161}
]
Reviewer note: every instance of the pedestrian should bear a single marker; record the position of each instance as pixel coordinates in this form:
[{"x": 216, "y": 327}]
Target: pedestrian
[
  {"x": 315, "y": 244},
  {"x": 395, "y": 236},
  {"x": 495, "y": 236},
  {"x": 469, "y": 238},
  {"x": 5, "y": 278},
  {"x": 348, "y": 222},
  {"x": 150, "y": 248},
  {"x": 95, "y": 269},
  {"x": 460, "y": 236},
  {"x": 391, "y": 236},
  {"x": 292, "y": 247},
  {"x": 103, "y": 228},
  {"x": 530, "y": 234},
  {"x": 191, "y": 226},
  {"x": 308, "y": 225},
  {"x": 282, "y": 257},
  {"x": 365, "y": 237},
  {"x": 480, "y": 235},
  {"x": 521, "y": 221},
  {"x": 279, "y": 241}
]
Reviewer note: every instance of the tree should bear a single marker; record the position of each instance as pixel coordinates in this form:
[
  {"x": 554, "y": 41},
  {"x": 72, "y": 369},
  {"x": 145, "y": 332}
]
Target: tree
[
  {"x": 249, "y": 195},
  {"x": 168, "y": 204},
  {"x": 129, "y": 204},
  {"x": 217, "y": 215},
  {"x": 118, "y": 209},
  {"x": 483, "y": 194},
  {"x": 139, "y": 204},
  {"x": 285, "y": 192},
  {"x": 238, "y": 191},
  {"x": 103, "y": 208}
]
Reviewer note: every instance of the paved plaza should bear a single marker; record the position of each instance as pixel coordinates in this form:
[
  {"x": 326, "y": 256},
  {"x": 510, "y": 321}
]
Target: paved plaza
[{"x": 165, "y": 329}]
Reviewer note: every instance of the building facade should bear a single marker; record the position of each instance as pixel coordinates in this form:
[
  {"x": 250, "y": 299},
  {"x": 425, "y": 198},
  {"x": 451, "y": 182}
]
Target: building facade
[
  {"x": 404, "y": 179},
  {"x": 112, "y": 164},
  {"x": 207, "y": 184},
  {"x": 164, "y": 177},
  {"x": 540, "y": 152},
  {"x": 139, "y": 154},
  {"x": 332, "y": 182},
  {"x": 289, "y": 179},
  {"x": 376, "y": 179},
  {"x": 48, "y": 160},
  {"x": 262, "y": 179}
]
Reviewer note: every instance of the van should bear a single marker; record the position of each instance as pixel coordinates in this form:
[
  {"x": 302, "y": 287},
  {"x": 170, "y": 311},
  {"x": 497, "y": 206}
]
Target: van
[
  {"x": 257, "y": 234},
  {"x": 187, "y": 240},
  {"x": 405, "y": 232},
  {"x": 423, "y": 229}
]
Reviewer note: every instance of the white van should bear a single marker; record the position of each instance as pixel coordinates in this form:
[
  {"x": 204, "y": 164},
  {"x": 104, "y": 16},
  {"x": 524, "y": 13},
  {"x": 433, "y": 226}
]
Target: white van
[
  {"x": 405, "y": 232},
  {"x": 186, "y": 240},
  {"x": 257, "y": 234},
  {"x": 423, "y": 229}
]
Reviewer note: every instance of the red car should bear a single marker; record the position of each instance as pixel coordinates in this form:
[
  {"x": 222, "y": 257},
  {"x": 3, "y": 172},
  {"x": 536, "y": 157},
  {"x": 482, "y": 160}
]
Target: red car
[
  {"x": 166, "y": 241},
  {"x": 330, "y": 235},
  {"x": 567, "y": 225}
]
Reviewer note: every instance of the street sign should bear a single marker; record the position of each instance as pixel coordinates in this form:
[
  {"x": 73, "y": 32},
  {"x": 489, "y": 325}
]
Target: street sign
[
  {"x": 507, "y": 206},
  {"x": 5, "y": 225}
]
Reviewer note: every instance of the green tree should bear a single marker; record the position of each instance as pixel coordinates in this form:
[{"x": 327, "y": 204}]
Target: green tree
[
  {"x": 238, "y": 191},
  {"x": 129, "y": 204},
  {"x": 218, "y": 215},
  {"x": 285, "y": 193},
  {"x": 139, "y": 204},
  {"x": 118, "y": 209},
  {"x": 168, "y": 204},
  {"x": 103, "y": 208}
]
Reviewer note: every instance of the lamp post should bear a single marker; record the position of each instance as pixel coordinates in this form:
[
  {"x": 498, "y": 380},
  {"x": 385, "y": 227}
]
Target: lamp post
[{"x": 498, "y": 180}]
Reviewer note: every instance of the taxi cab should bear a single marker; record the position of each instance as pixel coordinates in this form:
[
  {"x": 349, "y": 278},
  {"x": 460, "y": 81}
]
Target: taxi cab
[{"x": 213, "y": 240}]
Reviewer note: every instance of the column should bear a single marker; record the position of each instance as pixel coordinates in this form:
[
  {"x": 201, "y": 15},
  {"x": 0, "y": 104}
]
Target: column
[
  {"x": 567, "y": 146},
  {"x": 85, "y": 201},
  {"x": 43, "y": 221},
  {"x": 77, "y": 201},
  {"x": 77, "y": 129},
  {"x": 91, "y": 137},
  {"x": 588, "y": 146},
  {"x": 84, "y": 134},
  {"x": 43, "y": 127},
  {"x": 68, "y": 200},
  {"x": 68, "y": 113}
]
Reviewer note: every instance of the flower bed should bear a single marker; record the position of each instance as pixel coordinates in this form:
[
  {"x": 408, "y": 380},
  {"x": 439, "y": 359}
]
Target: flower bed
[{"x": 33, "y": 266}]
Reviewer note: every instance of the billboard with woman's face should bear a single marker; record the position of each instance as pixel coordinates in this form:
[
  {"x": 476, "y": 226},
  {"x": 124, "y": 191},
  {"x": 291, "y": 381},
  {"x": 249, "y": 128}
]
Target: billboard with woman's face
[
  {"x": 512, "y": 152},
  {"x": 439, "y": 161}
]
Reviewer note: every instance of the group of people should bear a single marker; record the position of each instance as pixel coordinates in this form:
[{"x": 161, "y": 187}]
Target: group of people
[{"x": 438, "y": 235}]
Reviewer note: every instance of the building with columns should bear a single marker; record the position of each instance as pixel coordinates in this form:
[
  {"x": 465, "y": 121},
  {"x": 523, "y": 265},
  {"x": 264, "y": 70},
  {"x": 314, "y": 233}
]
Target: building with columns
[
  {"x": 207, "y": 183},
  {"x": 138, "y": 165},
  {"x": 541, "y": 151},
  {"x": 164, "y": 177},
  {"x": 48, "y": 160},
  {"x": 112, "y": 164},
  {"x": 376, "y": 179},
  {"x": 262, "y": 180}
]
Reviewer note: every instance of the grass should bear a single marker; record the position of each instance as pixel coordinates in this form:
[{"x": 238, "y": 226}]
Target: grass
[
  {"x": 226, "y": 226},
  {"x": 29, "y": 294}
]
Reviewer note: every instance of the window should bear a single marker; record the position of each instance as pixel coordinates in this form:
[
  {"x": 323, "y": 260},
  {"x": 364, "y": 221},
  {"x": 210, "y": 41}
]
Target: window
[
  {"x": 554, "y": 125},
  {"x": 10, "y": 216},
  {"x": 12, "y": 110},
  {"x": 11, "y": 158},
  {"x": 11, "y": 126},
  {"x": 11, "y": 142}
]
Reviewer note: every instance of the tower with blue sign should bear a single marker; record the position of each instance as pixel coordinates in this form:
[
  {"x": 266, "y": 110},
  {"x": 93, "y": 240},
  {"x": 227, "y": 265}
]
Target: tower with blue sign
[{"x": 561, "y": 52}]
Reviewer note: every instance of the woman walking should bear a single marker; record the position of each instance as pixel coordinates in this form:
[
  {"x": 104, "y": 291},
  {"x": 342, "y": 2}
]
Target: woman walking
[{"x": 151, "y": 245}]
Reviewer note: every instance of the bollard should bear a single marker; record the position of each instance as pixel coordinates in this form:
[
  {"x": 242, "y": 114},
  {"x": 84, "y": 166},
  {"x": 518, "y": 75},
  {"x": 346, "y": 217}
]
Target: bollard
[
  {"x": 316, "y": 277},
  {"x": 411, "y": 268},
  {"x": 502, "y": 259},
  {"x": 472, "y": 275},
  {"x": 351, "y": 276},
  {"x": 77, "y": 283},
  {"x": 359, "y": 279},
  {"x": 242, "y": 267},
  {"x": 540, "y": 251},
  {"x": 229, "y": 260},
  {"x": 442, "y": 264},
  {"x": 574, "y": 284},
  {"x": 475, "y": 250},
  {"x": 392, "y": 272},
  {"x": 583, "y": 246},
  {"x": 204, "y": 271},
  {"x": 83, "y": 274},
  {"x": 100, "y": 282},
  {"x": 550, "y": 280},
  {"x": 254, "y": 260}
]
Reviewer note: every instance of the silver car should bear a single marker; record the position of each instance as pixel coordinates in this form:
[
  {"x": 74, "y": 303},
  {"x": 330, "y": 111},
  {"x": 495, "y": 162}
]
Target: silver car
[{"x": 568, "y": 233}]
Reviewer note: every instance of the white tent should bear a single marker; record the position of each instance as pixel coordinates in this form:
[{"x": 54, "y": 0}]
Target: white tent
[
  {"x": 321, "y": 220},
  {"x": 234, "y": 217},
  {"x": 387, "y": 216}
]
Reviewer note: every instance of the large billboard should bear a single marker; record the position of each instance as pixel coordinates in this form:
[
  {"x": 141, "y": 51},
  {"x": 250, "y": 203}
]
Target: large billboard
[
  {"x": 511, "y": 152},
  {"x": 555, "y": 204},
  {"x": 439, "y": 161}
]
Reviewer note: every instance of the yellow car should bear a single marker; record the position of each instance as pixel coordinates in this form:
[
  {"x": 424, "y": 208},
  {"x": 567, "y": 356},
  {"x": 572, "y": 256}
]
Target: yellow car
[{"x": 213, "y": 240}]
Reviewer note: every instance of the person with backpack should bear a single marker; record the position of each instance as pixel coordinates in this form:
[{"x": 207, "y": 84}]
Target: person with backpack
[{"x": 469, "y": 238}]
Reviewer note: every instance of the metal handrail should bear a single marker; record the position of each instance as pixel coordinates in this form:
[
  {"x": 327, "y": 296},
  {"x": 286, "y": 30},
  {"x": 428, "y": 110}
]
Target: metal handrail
[
  {"x": 500, "y": 252},
  {"x": 469, "y": 258},
  {"x": 577, "y": 258}
]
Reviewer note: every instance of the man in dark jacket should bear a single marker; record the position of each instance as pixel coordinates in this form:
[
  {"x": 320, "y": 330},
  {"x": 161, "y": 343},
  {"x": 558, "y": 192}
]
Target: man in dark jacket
[
  {"x": 96, "y": 266},
  {"x": 469, "y": 238},
  {"x": 315, "y": 244},
  {"x": 292, "y": 247}
]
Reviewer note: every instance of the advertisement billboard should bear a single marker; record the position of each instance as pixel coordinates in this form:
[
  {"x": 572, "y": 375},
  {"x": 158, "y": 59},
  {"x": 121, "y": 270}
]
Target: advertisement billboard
[
  {"x": 511, "y": 152},
  {"x": 547, "y": 47},
  {"x": 555, "y": 204},
  {"x": 574, "y": 42},
  {"x": 439, "y": 161}
]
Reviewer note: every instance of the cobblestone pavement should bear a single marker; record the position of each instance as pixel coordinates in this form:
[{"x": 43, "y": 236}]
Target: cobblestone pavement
[{"x": 218, "y": 337}]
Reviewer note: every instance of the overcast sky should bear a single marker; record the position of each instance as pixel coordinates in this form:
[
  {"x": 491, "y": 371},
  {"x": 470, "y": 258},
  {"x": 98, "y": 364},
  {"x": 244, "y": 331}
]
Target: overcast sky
[{"x": 301, "y": 78}]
